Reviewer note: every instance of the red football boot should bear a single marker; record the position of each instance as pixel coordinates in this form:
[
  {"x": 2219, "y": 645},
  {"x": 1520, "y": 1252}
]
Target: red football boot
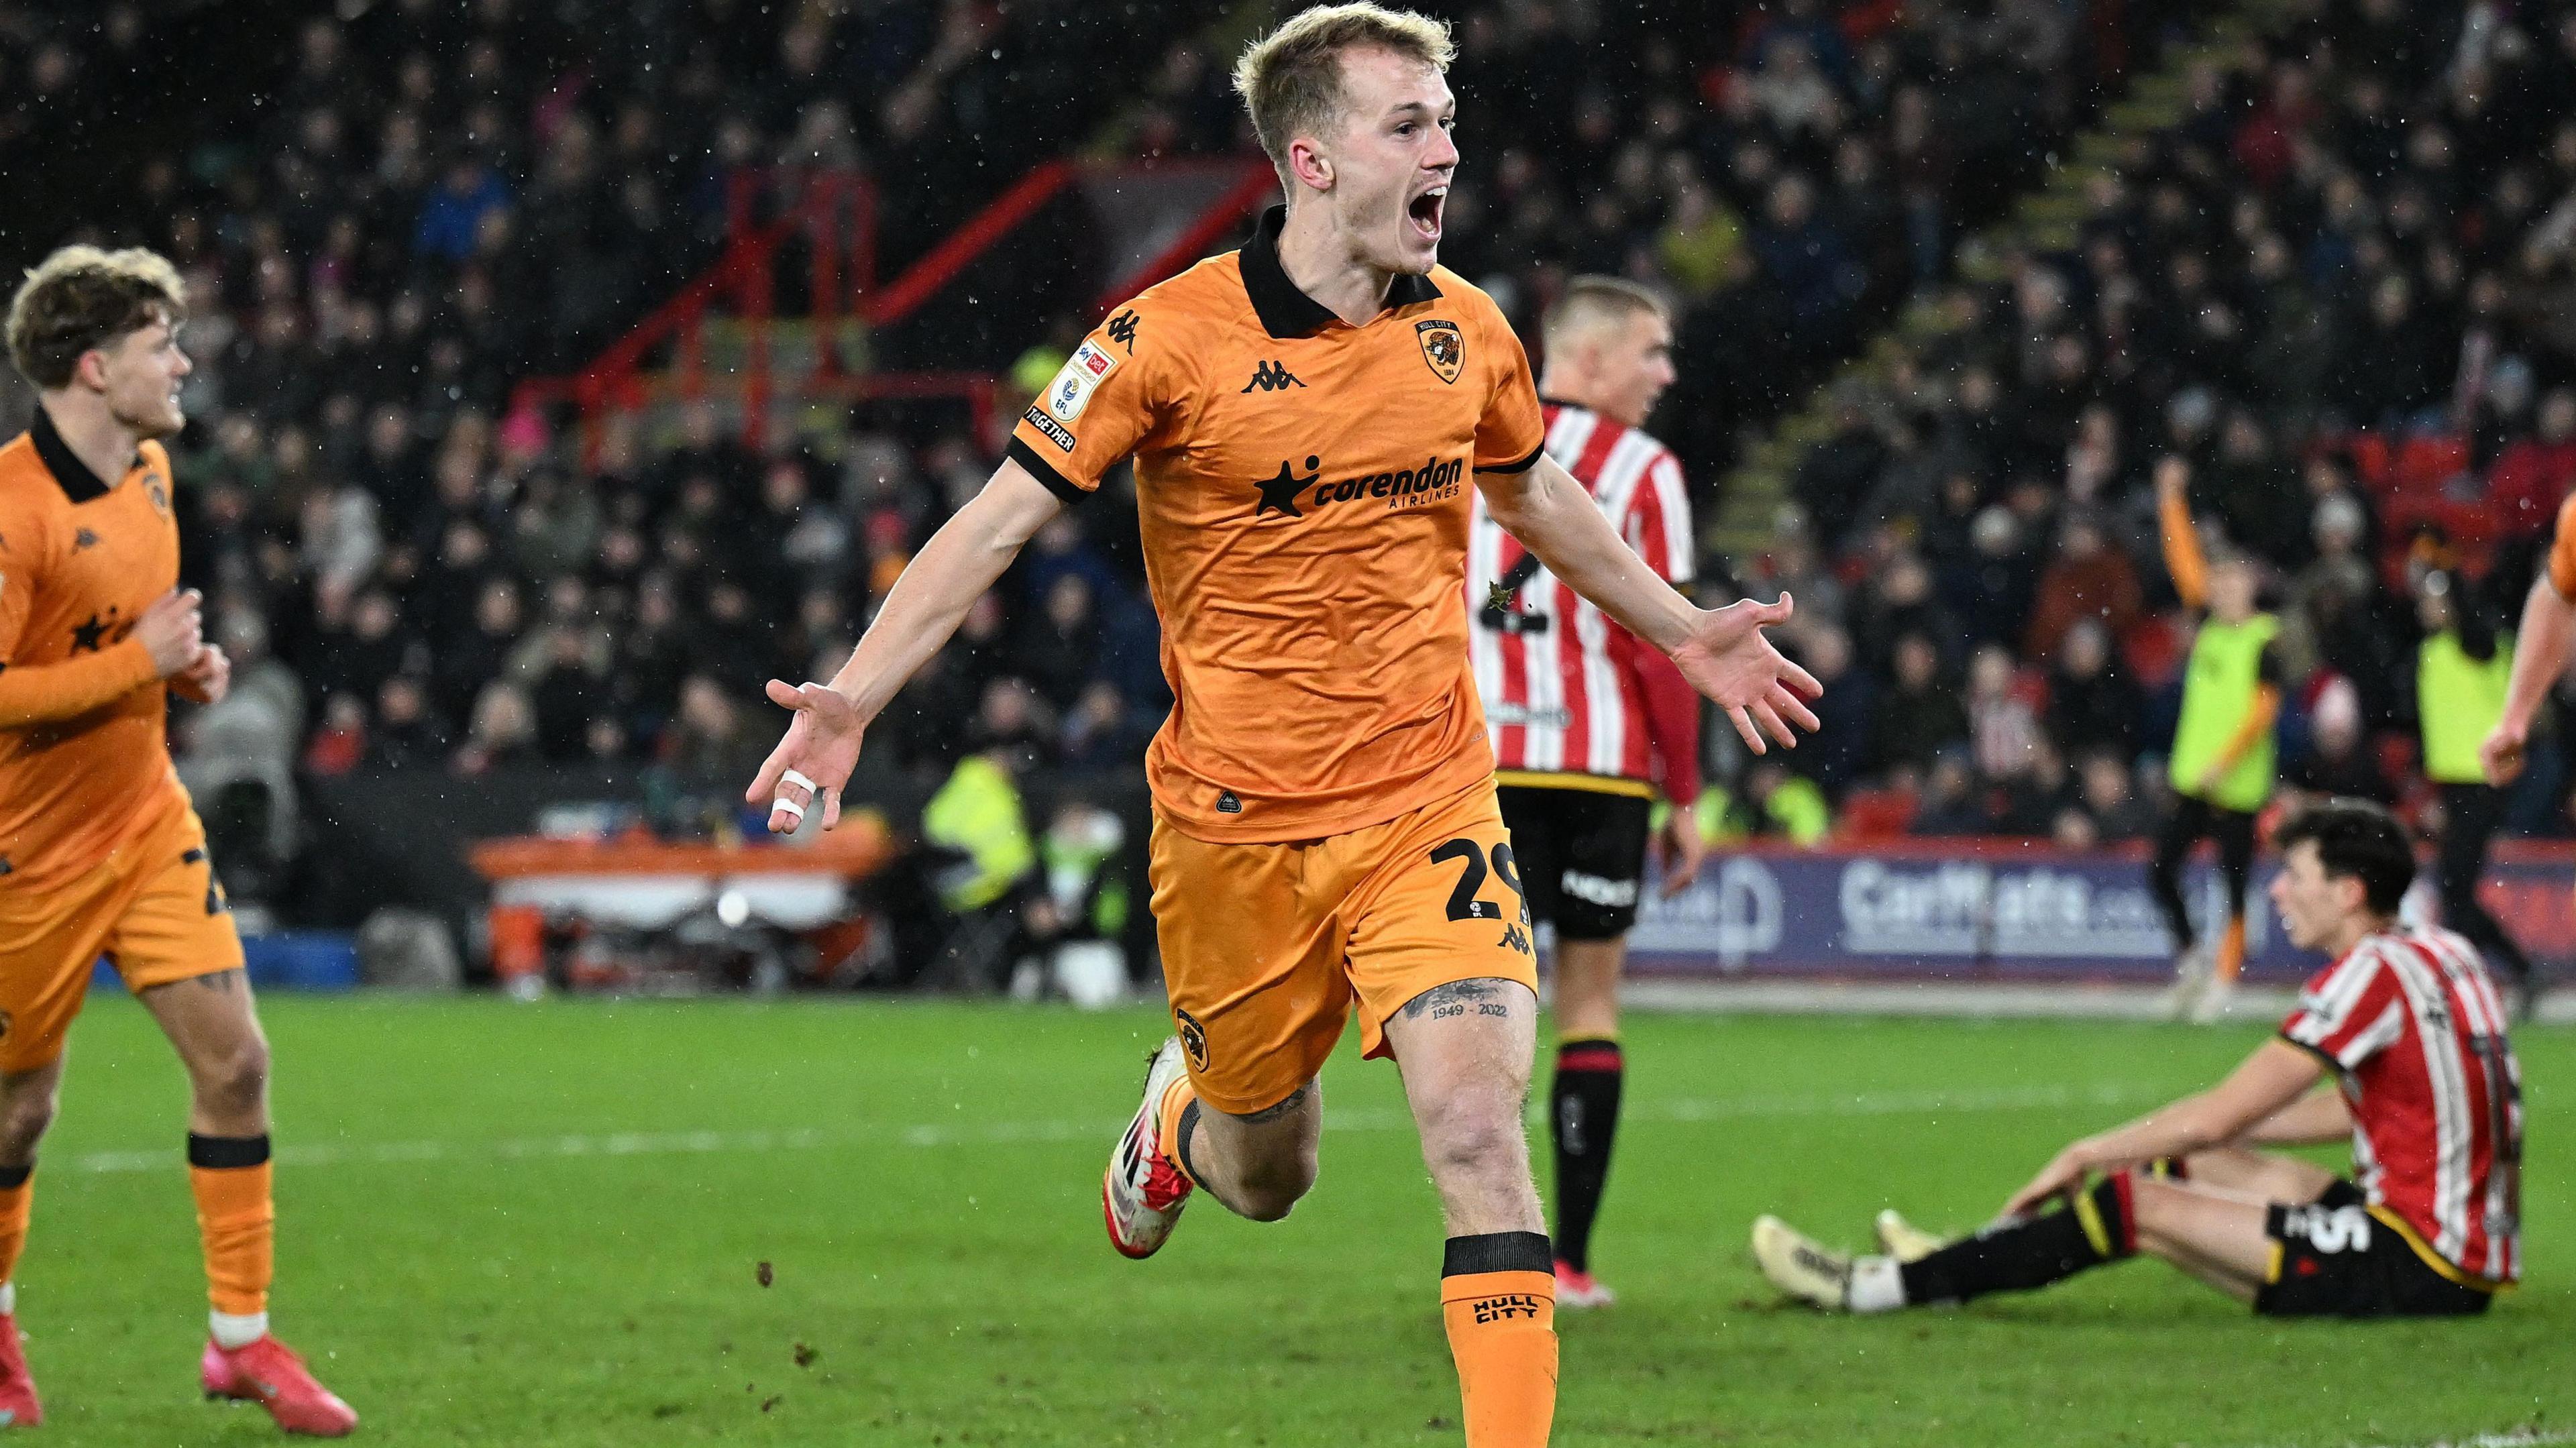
[
  {"x": 1142, "y": 1193},
  {"x": 268, "y": 1372},
  {"x": 18, "y": 1405}
]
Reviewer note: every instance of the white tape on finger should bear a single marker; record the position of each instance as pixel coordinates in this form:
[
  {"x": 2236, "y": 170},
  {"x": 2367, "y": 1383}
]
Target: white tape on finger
[
  {"x": 784, "y": 805},
  {"x": 799, "y": 780}
]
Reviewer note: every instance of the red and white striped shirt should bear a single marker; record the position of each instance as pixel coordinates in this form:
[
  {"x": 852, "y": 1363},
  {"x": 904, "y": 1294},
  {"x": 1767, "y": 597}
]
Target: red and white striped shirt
[
  {"x": 2415, "y": 1033},
  {"x": 1561, "y": 683}
]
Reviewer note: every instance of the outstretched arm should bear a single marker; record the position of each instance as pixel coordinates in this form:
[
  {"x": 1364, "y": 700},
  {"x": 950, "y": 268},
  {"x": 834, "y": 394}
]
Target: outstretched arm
[
  {"x": 1721, "y": 651},
  {"x": 960, "y": 562},
  {"x": 2276, "y": 1074},
  {"x": 2539, "y": 657},
  {"x": 2182, "y": 542}
]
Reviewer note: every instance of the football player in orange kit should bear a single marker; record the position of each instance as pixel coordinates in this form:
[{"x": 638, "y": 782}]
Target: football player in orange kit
[
  {"x": 1306, "y": 417},
  {"x": 101, "y": 852}
]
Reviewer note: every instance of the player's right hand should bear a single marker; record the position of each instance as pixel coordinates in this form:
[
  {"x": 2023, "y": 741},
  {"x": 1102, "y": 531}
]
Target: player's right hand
[
  {"x": 173, "y": 629},
  {"x": 2501, "y": 755},
  {"x": 822, "y": 744}
]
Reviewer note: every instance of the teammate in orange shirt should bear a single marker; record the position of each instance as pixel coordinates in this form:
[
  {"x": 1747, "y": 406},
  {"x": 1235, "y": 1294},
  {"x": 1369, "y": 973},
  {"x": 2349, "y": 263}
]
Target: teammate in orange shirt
[
  {"x": 100, "y": 851},
  {"x": 1306, "y": 417}
]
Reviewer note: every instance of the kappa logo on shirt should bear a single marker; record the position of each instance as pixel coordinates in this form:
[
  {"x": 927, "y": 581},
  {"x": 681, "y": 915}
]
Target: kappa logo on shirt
[{"x": 1272, "y": 377}]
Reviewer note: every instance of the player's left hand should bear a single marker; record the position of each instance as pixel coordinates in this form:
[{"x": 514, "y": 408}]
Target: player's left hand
[
  {"x": 207, "y": 680},
  {"x": 1728, "y": 658},
  {"x": 2064, "y": 1174},
  {"x": 821, "y": 746},
  {"x": 1679, "y": 849}
]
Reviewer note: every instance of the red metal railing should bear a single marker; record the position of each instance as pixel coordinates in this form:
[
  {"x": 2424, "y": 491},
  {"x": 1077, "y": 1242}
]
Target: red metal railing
[{"x": 835, "y": 212}]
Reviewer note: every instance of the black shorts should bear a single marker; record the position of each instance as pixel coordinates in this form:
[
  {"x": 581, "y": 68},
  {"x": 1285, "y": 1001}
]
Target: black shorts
[
  {"x": 1582, "y": 854},
  {"x": 2334, "y": 1259}
]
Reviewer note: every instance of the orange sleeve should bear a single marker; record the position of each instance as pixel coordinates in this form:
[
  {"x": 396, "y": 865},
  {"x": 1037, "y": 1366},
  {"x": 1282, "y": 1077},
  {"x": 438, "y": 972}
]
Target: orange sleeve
[
  {"x": 1108, "y": 401},
  {"x": 2258, "y": 722},
  {"x": 1513, "y": 431},
  {"x": 2182, "y": 552},
  {"x": 45, "y": 693},
  {"x": 2562, "y": 552}
]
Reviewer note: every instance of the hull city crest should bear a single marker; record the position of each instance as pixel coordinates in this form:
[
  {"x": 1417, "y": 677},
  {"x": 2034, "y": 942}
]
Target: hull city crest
[{"x": 1444, "y": 347}]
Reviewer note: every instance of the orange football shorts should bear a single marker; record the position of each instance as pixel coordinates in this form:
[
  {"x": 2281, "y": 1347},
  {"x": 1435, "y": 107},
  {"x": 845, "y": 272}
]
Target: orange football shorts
[
  {"x": 154, "y": 908},
  {"x": 1265, "y": 946}
]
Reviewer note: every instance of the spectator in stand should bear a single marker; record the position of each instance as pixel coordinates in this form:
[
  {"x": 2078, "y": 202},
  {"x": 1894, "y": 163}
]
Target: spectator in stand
[
  {"x": 2003, "y": 730},
  {"x": 2108, "y": 796},
  {"x": 1951, "y": 803},
  {"x": 2533, "y": 473},
  {"x": 1837, "y": 754},
  {"x": 2092, "y": 703},
  {"x": 1918, "y": 718},
  {"x": 2339, "y": 761},
  {"x": 2088, "y": 581}
]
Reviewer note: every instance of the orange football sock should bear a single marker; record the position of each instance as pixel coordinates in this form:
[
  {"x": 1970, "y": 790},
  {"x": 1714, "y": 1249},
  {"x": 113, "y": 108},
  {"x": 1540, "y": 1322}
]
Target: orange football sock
[
  {"x": 1498, "y": 1297},
  {"x": 1178, "y": 1098},
  {"x": 2231, "y": 950},
  {"x": 17, "y": 1203},
  {"x": 236, "y": 1219}
]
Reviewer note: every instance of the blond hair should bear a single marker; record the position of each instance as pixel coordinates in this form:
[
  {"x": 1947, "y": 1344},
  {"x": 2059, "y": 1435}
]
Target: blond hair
[
  {"x": 1592, "y": 302},
  {"x": 1291, "y": 79},
  {"x": 81, "y": 299}
]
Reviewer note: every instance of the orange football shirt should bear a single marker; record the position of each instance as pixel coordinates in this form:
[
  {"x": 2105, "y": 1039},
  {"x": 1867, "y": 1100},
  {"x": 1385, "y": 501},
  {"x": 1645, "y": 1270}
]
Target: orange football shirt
[
  {"x": 80, "y": 560},
  {"x": 1303, "y": 486}
]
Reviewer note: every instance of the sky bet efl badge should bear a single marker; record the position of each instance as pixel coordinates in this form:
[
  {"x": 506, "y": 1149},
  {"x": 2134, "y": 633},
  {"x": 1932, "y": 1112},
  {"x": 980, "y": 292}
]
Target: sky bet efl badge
[
  {"x": 1070, "y": 392},
  {"x": 1442, "y": 346}
]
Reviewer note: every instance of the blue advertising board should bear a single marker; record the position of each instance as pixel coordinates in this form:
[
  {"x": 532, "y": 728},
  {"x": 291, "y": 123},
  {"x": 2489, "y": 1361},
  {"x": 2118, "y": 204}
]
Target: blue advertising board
[{"x": 1998, "y": 911}]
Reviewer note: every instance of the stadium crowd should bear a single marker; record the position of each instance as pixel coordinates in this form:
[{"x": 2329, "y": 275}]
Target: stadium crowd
[
  {"x": 2378, "y": 404},
  {"x": 415, "y": 575}
]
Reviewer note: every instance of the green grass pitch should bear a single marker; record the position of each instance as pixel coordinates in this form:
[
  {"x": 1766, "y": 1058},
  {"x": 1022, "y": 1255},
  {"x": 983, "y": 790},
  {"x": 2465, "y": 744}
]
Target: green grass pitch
[{"x": 510, "y": 1224}]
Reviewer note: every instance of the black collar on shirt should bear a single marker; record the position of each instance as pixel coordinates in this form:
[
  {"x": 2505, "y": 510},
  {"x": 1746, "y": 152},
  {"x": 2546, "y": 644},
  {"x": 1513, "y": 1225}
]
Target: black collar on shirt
[
  {"x": 71, "y": 474},
  {"x": 1284, "y": 310}
]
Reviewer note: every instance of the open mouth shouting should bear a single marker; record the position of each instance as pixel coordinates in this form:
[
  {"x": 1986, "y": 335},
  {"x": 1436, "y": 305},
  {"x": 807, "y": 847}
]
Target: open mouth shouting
[{"x": 1424, "y": 211}]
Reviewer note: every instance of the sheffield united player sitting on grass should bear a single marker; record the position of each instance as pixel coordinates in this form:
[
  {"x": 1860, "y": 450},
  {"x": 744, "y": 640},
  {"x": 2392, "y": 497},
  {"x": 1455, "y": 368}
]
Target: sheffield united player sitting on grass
[
  {"x": 1585, "y": 720},
  {"x": 100, "y": 850},
  {"x": 2412, "y": 1032},
  {"x": 1307, "y": 417}
]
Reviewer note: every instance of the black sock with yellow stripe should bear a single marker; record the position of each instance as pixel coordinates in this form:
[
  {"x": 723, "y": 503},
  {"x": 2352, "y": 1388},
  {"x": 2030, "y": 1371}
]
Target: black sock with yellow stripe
[{"x": 2095, "y": 1227}]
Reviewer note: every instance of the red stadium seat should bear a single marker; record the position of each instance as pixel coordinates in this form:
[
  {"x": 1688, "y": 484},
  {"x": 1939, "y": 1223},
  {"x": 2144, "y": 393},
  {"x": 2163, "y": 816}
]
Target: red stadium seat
[
  {"x": 1875, "y": 814},
  {"x": 2425, "y": 464}
]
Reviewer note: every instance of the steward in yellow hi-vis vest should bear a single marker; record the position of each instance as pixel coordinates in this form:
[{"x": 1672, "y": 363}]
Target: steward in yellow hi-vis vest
[
  {"x": 2462, "y": 670},
  {"x": 2222, "y": 764}
]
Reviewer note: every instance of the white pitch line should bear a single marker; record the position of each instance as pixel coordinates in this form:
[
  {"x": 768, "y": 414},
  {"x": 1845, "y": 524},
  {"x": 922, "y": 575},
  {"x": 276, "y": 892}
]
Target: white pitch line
[
  {"x": 1009, "y": 1133},
  {"x": 2519, "y": 1438}
]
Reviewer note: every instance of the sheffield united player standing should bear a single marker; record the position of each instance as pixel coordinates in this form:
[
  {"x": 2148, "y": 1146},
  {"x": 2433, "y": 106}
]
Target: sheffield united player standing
[
  {"x": 100, "y": 849},
  {"x": 1307, "y": 418},
  {"x": 1586, "y": 720},
  {"x": 2412, "y": 1034}
]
